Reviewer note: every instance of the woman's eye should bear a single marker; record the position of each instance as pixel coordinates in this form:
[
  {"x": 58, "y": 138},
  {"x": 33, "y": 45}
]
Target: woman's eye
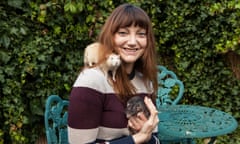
[
  {"x": 122, "y": 33},
  {"x": 142, "y": 34}
]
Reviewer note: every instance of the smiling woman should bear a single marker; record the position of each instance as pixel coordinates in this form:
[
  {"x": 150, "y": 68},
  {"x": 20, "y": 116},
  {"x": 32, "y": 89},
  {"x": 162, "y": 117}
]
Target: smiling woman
[
  {"x": 125, "y": 28},
  {"x": 97, "y": 102},
  {"x": 130, "y": 43}
]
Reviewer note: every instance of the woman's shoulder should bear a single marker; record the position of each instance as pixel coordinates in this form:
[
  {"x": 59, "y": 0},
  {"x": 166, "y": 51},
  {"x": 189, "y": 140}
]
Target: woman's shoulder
[{"x": 89, "y": 77}]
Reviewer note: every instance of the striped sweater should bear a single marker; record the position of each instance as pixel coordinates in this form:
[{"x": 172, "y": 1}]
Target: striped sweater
[{"x": 95, "y": 114}]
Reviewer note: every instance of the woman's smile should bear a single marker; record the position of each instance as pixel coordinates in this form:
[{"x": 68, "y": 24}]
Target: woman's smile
[
  {"x": 131, "y": 49},
  {"x": 130, "y": 43}
]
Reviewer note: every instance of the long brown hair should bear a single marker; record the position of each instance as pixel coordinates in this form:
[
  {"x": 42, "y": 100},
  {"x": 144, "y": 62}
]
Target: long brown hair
[{"x": 126, "y": 15}]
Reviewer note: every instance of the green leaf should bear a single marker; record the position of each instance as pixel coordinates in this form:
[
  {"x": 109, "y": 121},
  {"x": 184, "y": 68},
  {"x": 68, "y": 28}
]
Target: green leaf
[
  {"x": 15, "y": 3},
  {"x": 4, "y": 57},
  {"x": 5, "y": 41},
  {"x": 70, "y": 7}
]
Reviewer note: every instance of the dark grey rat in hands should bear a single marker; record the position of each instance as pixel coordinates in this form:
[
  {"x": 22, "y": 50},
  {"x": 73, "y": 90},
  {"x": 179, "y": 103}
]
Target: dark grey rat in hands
[{"x": 136, "y": 105}]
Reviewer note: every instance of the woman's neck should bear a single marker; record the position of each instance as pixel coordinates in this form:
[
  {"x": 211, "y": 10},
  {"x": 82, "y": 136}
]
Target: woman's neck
[
  {"x": 130, "y": 70},
  {"x": 128, "y": 67}
]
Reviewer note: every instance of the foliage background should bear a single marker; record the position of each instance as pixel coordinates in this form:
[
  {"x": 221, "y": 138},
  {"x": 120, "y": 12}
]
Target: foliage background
[{"x": 42, "y": 42}]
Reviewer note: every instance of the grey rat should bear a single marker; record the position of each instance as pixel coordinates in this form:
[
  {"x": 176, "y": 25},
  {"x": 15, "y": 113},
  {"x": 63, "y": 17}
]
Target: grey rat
[{"x": 135, "y": 105}]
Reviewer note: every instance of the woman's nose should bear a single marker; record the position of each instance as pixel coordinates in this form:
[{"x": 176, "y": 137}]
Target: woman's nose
[{"x": 132, "y": 40}]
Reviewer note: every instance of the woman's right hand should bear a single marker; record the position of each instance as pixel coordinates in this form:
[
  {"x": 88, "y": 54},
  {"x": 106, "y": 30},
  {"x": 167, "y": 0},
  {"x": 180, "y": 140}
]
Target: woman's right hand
[{"x": 145, "y": 133}]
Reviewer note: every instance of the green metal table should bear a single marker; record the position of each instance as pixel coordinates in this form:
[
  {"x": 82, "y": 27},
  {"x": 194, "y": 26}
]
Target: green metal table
[{"x": 191, "y": 121}]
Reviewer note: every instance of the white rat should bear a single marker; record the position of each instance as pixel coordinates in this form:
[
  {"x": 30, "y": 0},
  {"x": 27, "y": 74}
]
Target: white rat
[
  {"x": 111, "y": 63},
  {"x": 91, "y": 54}
]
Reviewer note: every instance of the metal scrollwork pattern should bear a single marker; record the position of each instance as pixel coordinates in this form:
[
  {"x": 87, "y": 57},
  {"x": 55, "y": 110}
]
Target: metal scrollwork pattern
[{"x": 187, "y": 121}]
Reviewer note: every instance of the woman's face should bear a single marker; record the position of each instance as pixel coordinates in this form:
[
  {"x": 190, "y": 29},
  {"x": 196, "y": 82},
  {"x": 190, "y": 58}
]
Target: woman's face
[{"x": 130, "y": 43}]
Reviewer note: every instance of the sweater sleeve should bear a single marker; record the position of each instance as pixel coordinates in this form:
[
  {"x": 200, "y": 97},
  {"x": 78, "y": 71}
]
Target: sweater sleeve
[
  {"x": 125, "y": 140},
  {"x": 129, "y": 140},
  {"x": 154, "y": 139}
]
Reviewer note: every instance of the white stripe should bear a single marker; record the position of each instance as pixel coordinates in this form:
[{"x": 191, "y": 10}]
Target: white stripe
[
  {"x": 94, "y": 78},
  {"x": 80, "y": 136},
  {"x": 155, "y": 130},
  {"x": 156, "y": 139},
  {"x": 111, "y": 133}
]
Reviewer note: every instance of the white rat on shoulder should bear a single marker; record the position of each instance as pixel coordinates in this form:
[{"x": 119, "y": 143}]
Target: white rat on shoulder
[
  {"x": 91, "y": 54},
  {"x": 110, "y": 64}
]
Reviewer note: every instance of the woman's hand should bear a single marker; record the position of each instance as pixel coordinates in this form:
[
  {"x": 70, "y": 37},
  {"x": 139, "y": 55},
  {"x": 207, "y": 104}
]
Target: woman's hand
[
  {"x": 143, "y": 125},
  {"x": 137, "y": 122}
]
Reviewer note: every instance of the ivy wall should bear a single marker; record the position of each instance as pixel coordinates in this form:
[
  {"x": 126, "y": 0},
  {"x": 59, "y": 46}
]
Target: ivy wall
[{"x": 42, "y": 42}]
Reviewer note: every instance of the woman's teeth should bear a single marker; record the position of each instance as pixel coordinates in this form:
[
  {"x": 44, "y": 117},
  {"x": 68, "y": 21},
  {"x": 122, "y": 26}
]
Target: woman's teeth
[{"x": 136, "y": 49}]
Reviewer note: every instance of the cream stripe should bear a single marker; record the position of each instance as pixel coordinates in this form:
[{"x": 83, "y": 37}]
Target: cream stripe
[
  {"x": 111, "y": 133},
  {"x": 82, "y": 136},
  {"x": 94, "y": 78},
  {"x": 156, "y": 129},
  {"x": 79, "y": 136}
]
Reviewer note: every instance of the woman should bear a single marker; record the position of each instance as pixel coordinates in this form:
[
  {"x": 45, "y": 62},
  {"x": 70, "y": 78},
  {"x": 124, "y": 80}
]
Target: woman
[{"x": 97, "y": 103}]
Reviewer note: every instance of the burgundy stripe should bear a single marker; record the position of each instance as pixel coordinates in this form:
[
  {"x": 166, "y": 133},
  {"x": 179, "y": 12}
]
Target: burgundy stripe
[
  {"x": 84, "y": 110},
  {"x": 89, "y": 109}
]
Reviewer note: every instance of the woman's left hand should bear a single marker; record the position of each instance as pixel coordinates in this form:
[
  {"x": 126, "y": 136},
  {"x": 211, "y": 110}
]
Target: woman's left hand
[
  {"x": 144, "y": 127},
  {"x": 137, "y": 122}
]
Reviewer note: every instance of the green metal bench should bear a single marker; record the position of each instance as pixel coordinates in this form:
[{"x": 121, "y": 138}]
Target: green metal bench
[
  {"x": 56, "y": 109},
  {"x": 170, "y": 92},
  {"x": 55, "y": 119},
  {"x": 168, "y": 81}
]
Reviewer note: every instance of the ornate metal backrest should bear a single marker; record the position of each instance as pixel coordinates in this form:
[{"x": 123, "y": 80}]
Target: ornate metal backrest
[
  {"x": 55, "y": 119},
  {"x": 170, "y": 92},
  {"x": 168, "y": 82}
]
